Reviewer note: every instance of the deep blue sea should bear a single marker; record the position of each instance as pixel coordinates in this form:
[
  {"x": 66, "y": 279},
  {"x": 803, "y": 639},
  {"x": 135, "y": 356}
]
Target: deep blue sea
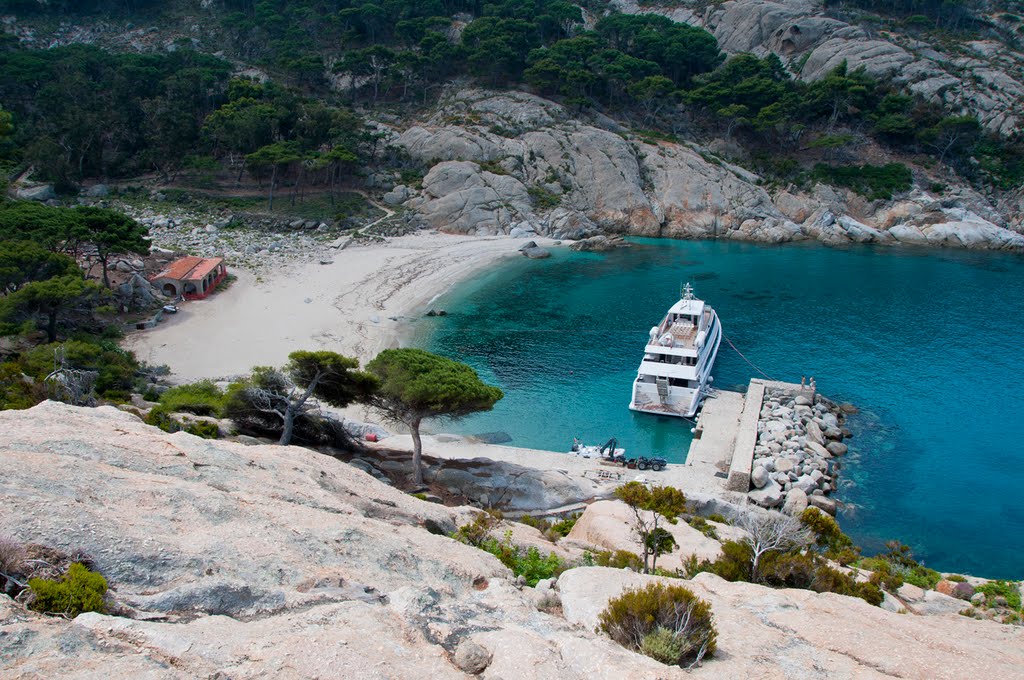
[{"x": 927, "y": 344}]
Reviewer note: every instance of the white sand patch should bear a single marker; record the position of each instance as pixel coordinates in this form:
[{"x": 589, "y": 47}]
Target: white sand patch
[{"x": 345, "y": 306}]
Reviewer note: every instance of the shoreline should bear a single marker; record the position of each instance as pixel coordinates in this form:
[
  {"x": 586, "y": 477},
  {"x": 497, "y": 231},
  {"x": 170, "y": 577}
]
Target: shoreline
[{"x": 358, "y": 304}]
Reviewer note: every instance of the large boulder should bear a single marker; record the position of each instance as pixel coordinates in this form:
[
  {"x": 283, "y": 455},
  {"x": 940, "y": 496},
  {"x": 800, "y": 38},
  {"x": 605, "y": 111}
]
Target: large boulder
[
  {"x": 608, "y": 525},
  {"x": 38, "y": 192},
  {"x": 961, "y": 590},
  {"x": 759, "y": 477},
  {"x": 507, "y": 486},
  {"x": 796, "y": 502},
  {"x": 771, "y": 496},
  {"x": 461, "y": 198}
]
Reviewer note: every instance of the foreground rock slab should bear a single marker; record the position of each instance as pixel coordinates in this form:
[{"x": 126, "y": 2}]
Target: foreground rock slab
[
  {"x": 241, "y": 561},
  {"x": 765, "y": 633},
  {"x": 235, "y": 561}
]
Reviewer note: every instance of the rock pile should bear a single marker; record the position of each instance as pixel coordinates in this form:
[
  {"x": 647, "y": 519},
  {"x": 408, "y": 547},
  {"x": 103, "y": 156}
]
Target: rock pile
[
  {"x": 251, "y": 243},
  {"x": 798, "y": 438}
]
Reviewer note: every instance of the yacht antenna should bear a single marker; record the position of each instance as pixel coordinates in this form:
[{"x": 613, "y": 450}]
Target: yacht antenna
[{"x": 687, "y": 291}]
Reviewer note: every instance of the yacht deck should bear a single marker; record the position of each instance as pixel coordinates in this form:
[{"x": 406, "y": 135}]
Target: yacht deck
[{"x": 683, "y": 333}]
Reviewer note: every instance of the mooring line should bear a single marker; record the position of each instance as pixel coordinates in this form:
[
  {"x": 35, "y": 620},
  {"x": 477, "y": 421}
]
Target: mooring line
[{"x": 752, "y": 365}]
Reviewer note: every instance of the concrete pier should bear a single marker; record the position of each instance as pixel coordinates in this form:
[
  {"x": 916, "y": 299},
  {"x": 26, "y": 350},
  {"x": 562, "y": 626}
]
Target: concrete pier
[
  {"x": 746, "y": 439},
  {"x": 723, "y": 445}
]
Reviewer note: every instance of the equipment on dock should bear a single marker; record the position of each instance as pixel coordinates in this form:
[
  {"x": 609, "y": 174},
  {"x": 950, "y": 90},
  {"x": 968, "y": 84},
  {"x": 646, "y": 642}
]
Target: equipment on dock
[
  {"x": 609, "y": 449},
  {"x": 654, "y": 463}
]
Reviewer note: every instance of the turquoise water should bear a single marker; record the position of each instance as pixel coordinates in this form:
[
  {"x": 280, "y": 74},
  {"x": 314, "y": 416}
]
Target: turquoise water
[{"x": 926, "y": 344}]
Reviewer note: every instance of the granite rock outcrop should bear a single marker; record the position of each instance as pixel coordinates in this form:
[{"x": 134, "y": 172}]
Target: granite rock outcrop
[{"x": 517, "y": 164}]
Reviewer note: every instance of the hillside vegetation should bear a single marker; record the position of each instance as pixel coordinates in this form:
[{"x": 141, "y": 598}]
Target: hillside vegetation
[{"x": 85, "y": 112}]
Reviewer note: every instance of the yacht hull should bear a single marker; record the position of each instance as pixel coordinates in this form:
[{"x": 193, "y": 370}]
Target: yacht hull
[{"x": 677, "y": 401}]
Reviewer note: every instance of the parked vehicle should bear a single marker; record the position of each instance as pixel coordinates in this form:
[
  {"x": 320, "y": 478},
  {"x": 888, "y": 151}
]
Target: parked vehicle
[{"x": 656, "y": 464}]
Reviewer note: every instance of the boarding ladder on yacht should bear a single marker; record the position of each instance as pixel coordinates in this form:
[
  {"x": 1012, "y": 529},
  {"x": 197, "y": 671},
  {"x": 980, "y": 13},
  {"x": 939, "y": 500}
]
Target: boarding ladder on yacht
[{"x": 662, "y": 389}]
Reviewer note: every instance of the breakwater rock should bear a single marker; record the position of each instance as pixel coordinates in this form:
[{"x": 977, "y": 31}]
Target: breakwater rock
[{"x": 799, "y": 436}]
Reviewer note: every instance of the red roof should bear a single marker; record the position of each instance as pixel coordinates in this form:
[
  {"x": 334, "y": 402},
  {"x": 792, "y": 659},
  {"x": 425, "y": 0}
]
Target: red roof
[
  {"x": 206, "y": 266},
  {"x": 189, "y": 268}
]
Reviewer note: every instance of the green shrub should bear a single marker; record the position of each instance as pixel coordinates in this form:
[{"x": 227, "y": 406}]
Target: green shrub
[
  {"x": 542, "y": 198},
  {"x": 16, "y": 392},
  {"x": 734, "y": 563},
  {"x": 563, "y": 527},
  {"x": 883, "y": 573},
  {"x": 701, "y": 525},
  {"x": 661, "y": 645},
  {"x": 494, "y": 167},
  {"x": 1005, "y": 589},
  {"x": 721, "y": 519},
  {"x": 203, "y": 429},
  {"x": 540, "y": 525},
  {"x": 162, "y": 419},
  {"x": 870, "y": 593},
  {"x": 956, "y": 578},
  {"x": 634, "y": 618},
  {"x": 620, "y": 559},
  {"x": 529, "y": 563},
  {"x": 79, "y": 591},
  {"x": 475, "y": 533},
  {"x": 828, "y": 537},
  {"x": 872, "y": 181},
  {"x": 115, "y": 367},
  {"x": 202, "y": 398},
  {"x": 922, "y": 577}
]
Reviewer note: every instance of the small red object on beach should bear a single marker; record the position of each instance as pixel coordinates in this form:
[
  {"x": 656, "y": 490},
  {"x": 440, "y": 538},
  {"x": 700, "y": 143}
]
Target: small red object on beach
[{"x": 371, "y": 436}]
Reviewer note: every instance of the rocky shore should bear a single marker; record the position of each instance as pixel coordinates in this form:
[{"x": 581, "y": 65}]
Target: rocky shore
[{"x": 799, "y": 436}]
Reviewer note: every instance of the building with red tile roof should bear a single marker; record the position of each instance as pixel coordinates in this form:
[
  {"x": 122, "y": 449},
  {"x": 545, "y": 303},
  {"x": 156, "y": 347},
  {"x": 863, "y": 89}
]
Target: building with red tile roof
[{"x": 191, "y": 278}]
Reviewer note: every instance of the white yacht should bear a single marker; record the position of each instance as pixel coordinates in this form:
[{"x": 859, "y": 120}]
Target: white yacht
[{"x": 676, "y": 368}]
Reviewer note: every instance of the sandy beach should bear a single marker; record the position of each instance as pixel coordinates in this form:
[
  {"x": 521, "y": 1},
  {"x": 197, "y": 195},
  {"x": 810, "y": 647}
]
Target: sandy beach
[
  {"x": 359, "y": 304},
  {"x": 366, "y": 300}
]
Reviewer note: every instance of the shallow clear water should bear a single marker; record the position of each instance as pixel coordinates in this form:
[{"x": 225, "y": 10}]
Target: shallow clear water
[{"x": 926, "y": 344}]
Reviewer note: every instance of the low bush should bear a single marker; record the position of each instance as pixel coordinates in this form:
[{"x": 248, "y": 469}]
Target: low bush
[
  {"x": 883, "y": 574},
  {"x": 529, "y": 563},
  {"x": 162, "y": 419},
  {"x": 80, "y": 590},
  {"x": 666, "y": 622},
  {"x": 551, "y": 530},
  {"x": 115, "y": 368},
  {"x": 564, "y": 526},
  {"x": 476, "y": 532},
  {"x": 17, "y": 391},
  {"x": 828, "y": 537},
  {"x": 716, "y": 517},
  {"x": 922, "y": 577},
  {"x": 873, "y": 181},
  {"x": 620, "y": 559},
  {"x": 202, "y": 398},
  {"x": 542, "y": 198},
  {"x": 1005, "y": 589},
  {"x": 203, "y": 429},
  {"x": 701, "y": 525}
]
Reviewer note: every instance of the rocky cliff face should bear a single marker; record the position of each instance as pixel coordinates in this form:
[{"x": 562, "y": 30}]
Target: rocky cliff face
[
  {"x": 235, "y": 561},
  {"x": 513, "y": 163},
  {"x": 800, "y": 32}
]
